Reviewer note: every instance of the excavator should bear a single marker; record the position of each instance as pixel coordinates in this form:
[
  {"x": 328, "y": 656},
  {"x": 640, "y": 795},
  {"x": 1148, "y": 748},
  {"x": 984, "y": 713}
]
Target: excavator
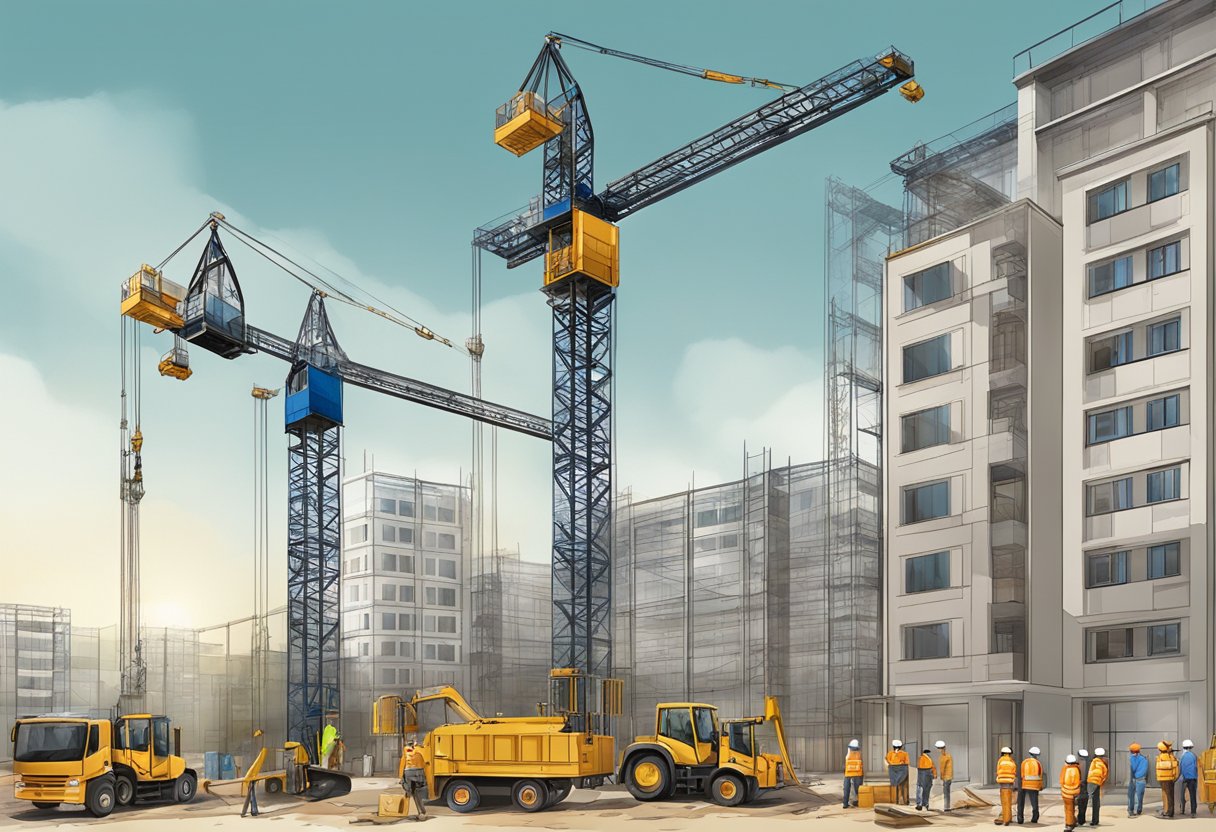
[
  {"x": 298, "y": 777},
  {"x": 688, "y": 754}
]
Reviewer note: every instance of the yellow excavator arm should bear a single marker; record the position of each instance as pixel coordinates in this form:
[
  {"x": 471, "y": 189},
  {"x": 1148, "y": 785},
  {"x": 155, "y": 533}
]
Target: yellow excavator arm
[
  {"x": 772, "y": 713},
  {"x": 394, "y": 715}
]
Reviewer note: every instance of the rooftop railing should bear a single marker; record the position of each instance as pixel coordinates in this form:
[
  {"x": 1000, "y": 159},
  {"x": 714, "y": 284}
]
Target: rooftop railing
[{"x": 1098, "y": 23}]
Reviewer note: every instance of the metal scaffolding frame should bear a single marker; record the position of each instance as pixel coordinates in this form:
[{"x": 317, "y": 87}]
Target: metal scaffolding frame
[{"x": 35, "y": 663}]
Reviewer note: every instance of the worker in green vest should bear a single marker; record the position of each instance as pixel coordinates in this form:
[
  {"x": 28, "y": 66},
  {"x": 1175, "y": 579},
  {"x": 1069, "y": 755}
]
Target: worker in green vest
[{"x": 329, "y": 744}]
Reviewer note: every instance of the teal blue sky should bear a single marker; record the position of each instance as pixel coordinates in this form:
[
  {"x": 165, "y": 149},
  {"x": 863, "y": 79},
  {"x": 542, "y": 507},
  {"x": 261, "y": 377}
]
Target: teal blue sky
[{"x": 359, "y": 134}]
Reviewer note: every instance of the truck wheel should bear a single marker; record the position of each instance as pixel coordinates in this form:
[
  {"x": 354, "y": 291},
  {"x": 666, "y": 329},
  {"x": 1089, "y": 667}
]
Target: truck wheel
[
  {"x": 753, "y": 790},
  {"x": 462, "y": 796},
  {"x": 530, "y": 795},
  {"x": 124, "y": 790},
  {"x": 559, "y": 790},
  {"x": 273, "y": 786},
  {"x": 728, "y": 790},
  {"x": 184, "y": 787},
  {"x": 99, "y": 797},
  {"x": 647, "y": 777},
  {"x": 41, "y": 805}
]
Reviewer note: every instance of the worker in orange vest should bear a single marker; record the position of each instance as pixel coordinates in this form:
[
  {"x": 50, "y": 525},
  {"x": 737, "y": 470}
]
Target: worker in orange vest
[
  {"x": 1032, "y": 784},
  {"x": 897, "y": 772},
  {"x": 947, "y": 771},
  {"x": 1007, "y": 779},
  {"x": 1098, "y": 772},
  {"x": 413, "y": 779},
  {"x": 1167, "y": 775},
  {"x": 854, "y": 773},
  {"x": 1070, "y": 787},
  {"x": 925, "y": 774}
]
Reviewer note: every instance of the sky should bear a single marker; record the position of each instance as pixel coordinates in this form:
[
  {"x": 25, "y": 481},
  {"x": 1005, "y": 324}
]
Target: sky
[{"x": 357, "y": 136}]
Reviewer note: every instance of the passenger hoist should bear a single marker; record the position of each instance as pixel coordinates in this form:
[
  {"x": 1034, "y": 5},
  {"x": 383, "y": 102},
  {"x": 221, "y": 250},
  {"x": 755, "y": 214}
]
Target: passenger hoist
[
  {"x": 210, "y": 313},
  {"x": 573, "y": 228}
]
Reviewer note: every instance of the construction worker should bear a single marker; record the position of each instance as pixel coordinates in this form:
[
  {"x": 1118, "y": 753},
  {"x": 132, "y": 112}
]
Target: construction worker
[
  {"x": 1083, "y": 797},
  {"x": 1032, "y": 784},
  {"x": 1137, "y": 772},
  {"x": 329, "y": 745},
  {"x": 1007, "y": 780},
  {"x": 1188, "y": 770},
  {"x": 854, "y": 773},
  {"x": 946, "y": 769},
  {"x": 1095, "y": 780},
  {"x": 1167, "y": 775},
  {"x": 926, "y": 773},
  {"x": 1070, "y": 788},
  {"x": 413, "y": 778},
  {"x": 897, "y": 772}
]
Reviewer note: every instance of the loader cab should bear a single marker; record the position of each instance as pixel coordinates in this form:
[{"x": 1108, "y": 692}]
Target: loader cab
[
  {"x": 742, "y": 751},
  {"x": 141, "y": 742},
  {"x": 690, "y": 731}
]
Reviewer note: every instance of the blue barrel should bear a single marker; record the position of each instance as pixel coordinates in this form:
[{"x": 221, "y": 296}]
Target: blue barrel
[
  {"x": 211, "y": 765},
  {"x": 227, "y": 768}
]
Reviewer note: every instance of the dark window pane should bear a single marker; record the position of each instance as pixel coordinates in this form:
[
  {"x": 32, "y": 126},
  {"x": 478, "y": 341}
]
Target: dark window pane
[
  {"x": 1163, "y": 639},
  {"x": 926, "y": 428},
  {"x": 927, "y": 641},
  {"x": 928, "y": 286},
  {"x": 927, "y": 572},
  {"x": 1107, "y": 277},
  {"x": 1164, "y": 560},
  {"x": 1164, "y": 182},
  {"x": 1110, "y": 425},
  {"x": 926, "y": 502},
  {"x": 928, "y": 358},
  {"x": 1165, "y": 337},
  {"x": 1162, "y": 413}
]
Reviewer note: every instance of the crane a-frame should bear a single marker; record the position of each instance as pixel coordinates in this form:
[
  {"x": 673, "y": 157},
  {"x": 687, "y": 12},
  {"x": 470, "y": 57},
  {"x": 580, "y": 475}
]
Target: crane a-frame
[{"x": 572, "y": 226}]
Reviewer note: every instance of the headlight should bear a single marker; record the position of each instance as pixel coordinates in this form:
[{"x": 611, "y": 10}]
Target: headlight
[
  {"x": 19, "y": 785},
  {"x": 73, "y": 782}
]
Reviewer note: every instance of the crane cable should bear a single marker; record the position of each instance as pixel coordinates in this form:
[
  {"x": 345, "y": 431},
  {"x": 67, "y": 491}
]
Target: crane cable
[{"x": 696, "y": 72}]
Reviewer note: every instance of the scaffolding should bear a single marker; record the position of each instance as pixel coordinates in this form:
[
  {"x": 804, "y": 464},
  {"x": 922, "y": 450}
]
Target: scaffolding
[
  {"x": 960, "y": 176},
  {"x": 35, "y": 663}
]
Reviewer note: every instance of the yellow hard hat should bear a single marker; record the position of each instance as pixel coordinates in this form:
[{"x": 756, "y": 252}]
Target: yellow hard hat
[
  {"x": 1134, "y": 747},
  {"x": 1163, "y": 746}
]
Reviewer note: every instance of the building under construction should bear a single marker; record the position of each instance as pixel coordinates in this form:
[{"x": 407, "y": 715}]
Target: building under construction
[{"x": 35, "y": 662}]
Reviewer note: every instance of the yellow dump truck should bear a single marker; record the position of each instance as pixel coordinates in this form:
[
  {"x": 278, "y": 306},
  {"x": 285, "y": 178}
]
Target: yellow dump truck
[
  {"x": 98, "y": 763},
  {"x": 688, "y": 753},
  {"x": 535, "y": 759}
]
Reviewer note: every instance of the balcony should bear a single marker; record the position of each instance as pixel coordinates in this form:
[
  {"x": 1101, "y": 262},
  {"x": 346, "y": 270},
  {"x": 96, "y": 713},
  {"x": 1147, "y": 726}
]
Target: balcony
[{"x": 1137, "y": 221}]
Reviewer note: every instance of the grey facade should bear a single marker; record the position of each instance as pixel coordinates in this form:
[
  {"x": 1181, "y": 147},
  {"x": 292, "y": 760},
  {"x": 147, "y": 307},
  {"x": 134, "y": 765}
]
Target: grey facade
[{"x": 35, "y": 663}]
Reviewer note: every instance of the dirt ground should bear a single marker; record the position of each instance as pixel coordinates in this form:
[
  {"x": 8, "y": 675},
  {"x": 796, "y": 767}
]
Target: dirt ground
[{"x": 594, "y": 811}]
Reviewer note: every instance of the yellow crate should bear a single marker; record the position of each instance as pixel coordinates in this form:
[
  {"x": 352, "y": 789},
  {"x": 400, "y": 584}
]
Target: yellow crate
[
  {"x": 865, "y": 797},
  {"x": 393, "y": 806},
  {"x": 882, "y": 793},
  {"x": 524, "y": 124},
  {"x": 594, "y": 251},
  {"x": 150, "y": 297}
]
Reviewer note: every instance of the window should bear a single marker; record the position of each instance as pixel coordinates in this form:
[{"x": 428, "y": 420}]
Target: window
[
  {"x": 405, "y": 593},
  {"x": 1108, "y": 201},
  {"x": 928, "y": 286},
  {"x": 1165, "y": 260},
  {"x": 1111, "y": 351},
  {"x": 705, "y": 724},
  {"x": 676, "y": 724},
  {"x": 388, "y": 621},
  {"x": 926, "y": 359},
  {"x": 1164, "y": 560},
  {"x": 925, "y": 502},
  {"x": 1107, "y": 277},
  {"x": 1163, "y": 639},
  {"x": 388, "y": 675},
  {"x": 729, "y": 541},
  {"x": 388, "y": 592},
  {"x": 445, "y": 624},
  {"x": 926, "y": 428},
  {"x": 357, "y": 534},
  {"x": 1162, "y": 413},
  {"x": 1164, "y": 485},
  {"x": 927, "y": 572},
  {"x": 927, "y": 641},
  {"x": 1109, "y": 425},
  {"x": 367, "y": 621},
  {"x": 1164, "y": 182},
  {"x": 1106, "y": 569},
  {"x": 1165, "y": 337},
  {"x": 354, "y": 593},
  {"x": 1106, "y": 497},
  {"x": 405, "y": 563},
  {"x": 388, "y": 648},
  {"x": 440, "y": 567},
  {"x": 407, "y": 650},
  {"x": 705, "y": 544},
  {"x": 405, "y": 534},
  {"x": 388, "y": 563},
  {"x": 405, "y": 508},
  {"x": 94, "y": 740},
  {"x": 386, "y": 506},
  {"x": 1109, "y": 645},
  {"x": 363, "y": 648},
  {"x": 160, "y": 736},
  {"x": 388, "y": 534},
  {"x": 445, "y": 652},
  {"x": 440, "y": 596},
  {"x": 407, "y": 622}
]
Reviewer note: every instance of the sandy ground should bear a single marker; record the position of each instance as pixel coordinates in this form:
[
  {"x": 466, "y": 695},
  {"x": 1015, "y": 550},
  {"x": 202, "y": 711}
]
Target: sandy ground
[{"x": 601, "y": 811}]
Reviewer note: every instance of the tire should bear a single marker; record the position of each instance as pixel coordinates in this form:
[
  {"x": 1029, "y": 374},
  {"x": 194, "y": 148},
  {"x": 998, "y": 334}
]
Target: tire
[
  {"x": 530, "y": 795},
  {"x": 41, "y": 805},
  {"x": 753, "y": 790},
  {"x": 728, "y": 790},
  {"x": 124, "y": 790},
  {"x": 184, "y": 788},
  {"x": 99, "y": 797},
  {"x": 559, "y": 790},
  {"x": 462, "y": 796},
  {"x": 648, "y": 777},
  {"x": 273, "y": 786}
]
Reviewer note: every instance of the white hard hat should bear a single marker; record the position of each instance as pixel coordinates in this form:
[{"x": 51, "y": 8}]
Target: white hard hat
[
  {"x": 1082, "y": 752},
  {"x": 1006, "y": 749},
  {"x": 897, "y": 744},
  {"x": 940, "y": 744},
  {"x": 854, "y": 744},
  {"x": 1034, "y": 749},
  {"x": 1070, "y": 759},
  {"x": 1188, "y": 744},
  {"x": 1100, "y": 752}
]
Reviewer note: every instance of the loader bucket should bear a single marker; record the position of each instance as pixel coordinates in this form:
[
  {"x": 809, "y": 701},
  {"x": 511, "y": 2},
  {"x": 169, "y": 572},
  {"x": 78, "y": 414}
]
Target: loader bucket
[{"x": 324, "y": 784}]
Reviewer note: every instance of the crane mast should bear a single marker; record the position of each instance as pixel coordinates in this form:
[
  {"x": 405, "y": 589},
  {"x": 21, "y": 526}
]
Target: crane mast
[{"x": 132, "y": 667}]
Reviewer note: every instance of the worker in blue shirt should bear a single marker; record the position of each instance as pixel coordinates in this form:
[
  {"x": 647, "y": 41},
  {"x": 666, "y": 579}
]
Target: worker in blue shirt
[
  {"x": 1137, "y": 768},
  {"x": 1188, "y": 773}
]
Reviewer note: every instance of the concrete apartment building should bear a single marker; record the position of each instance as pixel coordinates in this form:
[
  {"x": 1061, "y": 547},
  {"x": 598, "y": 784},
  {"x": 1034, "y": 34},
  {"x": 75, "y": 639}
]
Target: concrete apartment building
[{"x": 1080, "y": 613}]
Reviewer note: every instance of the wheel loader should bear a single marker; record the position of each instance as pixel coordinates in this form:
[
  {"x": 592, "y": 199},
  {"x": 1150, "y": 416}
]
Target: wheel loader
[
  {"x": 690, "y": 754},
  {"x": 99, "y": 763}
]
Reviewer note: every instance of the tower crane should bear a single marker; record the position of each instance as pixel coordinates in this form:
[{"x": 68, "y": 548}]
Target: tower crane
[
  {"x": 210, "y": 313},
  {"x": 573, "y": 228}
]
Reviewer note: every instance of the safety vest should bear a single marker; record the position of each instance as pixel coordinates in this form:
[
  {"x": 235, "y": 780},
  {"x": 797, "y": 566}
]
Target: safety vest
[
  {"x": 1070, "y": 780},
  {"x": 925, "y": 763},
  {"x": 414, "y": 758},
  {"x": 1006, "y": 770},
  {"x": 947, "y": 766},
  {"x": 853, "y": 766},
  {"x": 1098, "y": 771},
  {"x": 1032, "y": 774},
  {"x": 1167, "y": 766},
  {"x": 329, "y": 734},
  {"x": 897, "y": 757}
]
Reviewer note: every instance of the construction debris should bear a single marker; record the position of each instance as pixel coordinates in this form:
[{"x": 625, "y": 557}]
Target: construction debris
[
  {"x": 898, "y": 817},
  {"x": 971, "y": 800}
]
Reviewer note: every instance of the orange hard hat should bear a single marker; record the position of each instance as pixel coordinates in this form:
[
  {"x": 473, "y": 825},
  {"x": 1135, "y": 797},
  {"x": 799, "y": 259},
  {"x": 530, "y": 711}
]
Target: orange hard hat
[
  {"x": 1163, "y": 746},
  {"x": 1134, "y": 747}
]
